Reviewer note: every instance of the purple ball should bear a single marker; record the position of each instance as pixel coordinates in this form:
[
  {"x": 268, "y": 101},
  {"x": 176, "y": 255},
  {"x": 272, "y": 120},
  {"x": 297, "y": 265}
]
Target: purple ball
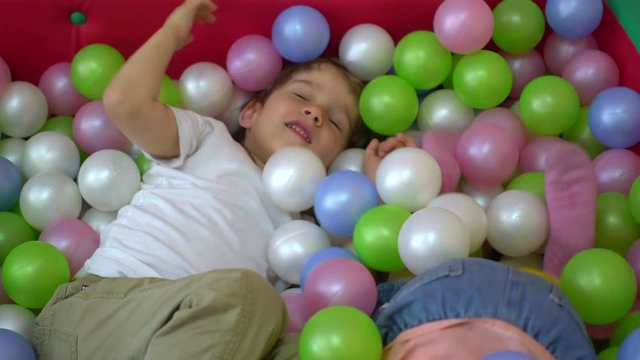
[
  {"x": 630, "y": 348},
  {"x": 508, "y": 355},
  {"x": 15, "y": 347},
  {"x": 253, "y": 62},
  {"x": 574, "y": 19},
  {"x": 614, "y": 117},
  {"x": 322, "y": 256},
  {"x": 94, "y": 130},
  {"x": 300, "y": 33},
  {"x": 10, "y": 184}
]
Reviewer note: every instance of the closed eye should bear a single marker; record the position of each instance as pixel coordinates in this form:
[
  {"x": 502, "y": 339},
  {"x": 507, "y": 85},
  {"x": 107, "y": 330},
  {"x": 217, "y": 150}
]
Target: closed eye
[
  {"x": 335, "y": 123},
  {"x": 300, "y": 96}
]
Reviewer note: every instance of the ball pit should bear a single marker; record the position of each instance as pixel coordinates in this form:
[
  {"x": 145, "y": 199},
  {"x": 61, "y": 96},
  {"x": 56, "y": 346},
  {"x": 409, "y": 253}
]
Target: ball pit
[{"x": 592, "y": 74}]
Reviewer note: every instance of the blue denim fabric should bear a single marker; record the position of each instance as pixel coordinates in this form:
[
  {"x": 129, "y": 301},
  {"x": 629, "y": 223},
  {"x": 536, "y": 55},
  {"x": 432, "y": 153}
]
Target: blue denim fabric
[{"x": 474, "y": 288}]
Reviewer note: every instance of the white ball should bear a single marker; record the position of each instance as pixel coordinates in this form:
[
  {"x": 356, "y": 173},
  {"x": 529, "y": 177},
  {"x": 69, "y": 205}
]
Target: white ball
[
  {"x": 367, "y": 51},
  {"x": 291, "y": 177},
  {"x": 48, "y": 197},
  {"x": 408, "y": 177},
  {"x": 23, "y": 109},
  {"x": 206, "y": 88},
  {"x": 430, "y": 237},
  {"x": 13, "y": 150},
  {"x": 470, "y": 212},
  {"x": 99, "y": 219},
  {"x": 291, "y": 245},
  {"x": 17, "y": 319},
  {"x": 350, "y": 159},
  {"x": 50, "y": 151},
  {"x": 483, "y": 196},
  {"x": 518, "y": 223},
  {"x": 443, "y": 109},
  {"x": 108, "y": 179}
]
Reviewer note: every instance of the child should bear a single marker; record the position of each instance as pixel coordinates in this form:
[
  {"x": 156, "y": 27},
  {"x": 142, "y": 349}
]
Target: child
[{"x": 181, "y": 273}]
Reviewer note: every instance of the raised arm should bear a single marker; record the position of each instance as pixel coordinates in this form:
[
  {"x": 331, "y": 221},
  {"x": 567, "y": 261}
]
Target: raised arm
[{"x": 131, "y": 99}]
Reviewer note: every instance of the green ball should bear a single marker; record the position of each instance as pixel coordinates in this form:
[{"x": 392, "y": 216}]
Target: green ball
[
  {"x": 169, "y": 93},
  {"x": 483, "y": 79},
  {"x": 600, "y": 284},
  {"x": 626, "y": 326},
  {"x": 616, "y": 228},
  {"x": 580, "y": 133},
  {"x": 448, "y": 82},
  {"x": 532, "y": 182},
  {"x": 375, "y": 237},
  {"x": 549, "y": 105},
  {"x": 93, "y": 67},
  {"x": 14, "y": 230},
  {"x": 143, "y": 164},
  {"x": 609, "y": 353},
  {"x": 421, "y": 59},
  {"x": 32, "y": 272},
  {"x": 61, "y": 124},
  {"x": 340, "y": 332},
  {"x": 518, "y": 25},
  {"x": 634, "y": 200},
  {"x": 388, "y": 105}
]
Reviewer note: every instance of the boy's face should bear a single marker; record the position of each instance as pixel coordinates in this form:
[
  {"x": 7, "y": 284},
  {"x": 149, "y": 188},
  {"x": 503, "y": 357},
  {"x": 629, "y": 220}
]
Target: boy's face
[{"x": 316, "y": 109}]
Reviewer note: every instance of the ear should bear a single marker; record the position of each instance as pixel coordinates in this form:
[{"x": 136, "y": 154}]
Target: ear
[{"x": 249, "y": 114}]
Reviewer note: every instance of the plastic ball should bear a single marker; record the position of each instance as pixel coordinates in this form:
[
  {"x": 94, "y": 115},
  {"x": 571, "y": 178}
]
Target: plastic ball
[
  {"x": 18, "y": 319},
  {"x": 169, "y": 92},
  {"x": 10, "y": 184},
  {"x": 32, "y": 271},
  {"x": 508, "y": 355},
  {"x": 99, "y": 219},
  {"x": 600, "y": 285},
  {"x": 574, "y": 19},
  {"x": 300, "y": 33},
  {"x": 549, "y": 105},
  {"x": 483, "y": 195},
  {"x": 339, "y": 281},
  {"x": 508, "y": 120},
  {"x": 463, "y": 26},
  {"x": 340, "y": 200},
  {"x": 443, "y": 109},
  {"x": 483, "y": 79},
  {"x": 533, "y": 156},
  {"x": 375, "y": 237},
  {"x": 291, "y": 177},
  {"x": 367, "y": 51},
  {"x": 519, "y": 25},
  {"x": 558, "y": 50},
  {"x": 628, "y": 324},
  {"x": 23, "y": 109},
  {"x": 238, "y": 100},
  {"x": 108, "y": 179},
  {"x": 340, "y": 332},
  {"x": 408, "y": 177},
  {"x": 532, "y": 181},
  {"x": 48, "y": 197},
  {"x": 518, "y": 223},
  {"x": 14, "y": 230},
  {"x": 430, "y": 237},
  {"x": 630, "y": 347},
  {"x": 50, "y": 152},
  {"x": 75, "y": 238},
  {"x": 15, "y": 347},
  {"x": 580, "y": 133},
  {"x": 57, "y": 87},
  {"x": 292, "y": 299},
  {"x": 12, "y": 149},
  {"x": 61, "y": 124},
  {"x": 524, "y": 68},
  {"x": 388, "y": 105},
  {"x": 634, "y": 199},
  {"x": 349, "y": 159},
  {"x": 616, "y": 229},
  {"x": 253, "y": 62},
  {"x": 206, "y": 88},
  {"x": 421, "y": 59},
  {"x": 470, "y": 212},
  {"x": 614, "y": 117},
  {"x": 93, "y": 67},
  {"x": 590, "y": 72},
  {"x": 616, "y": 170},
  {"x": 291, "y": 245},
  {"x": 95, "y": 131},
  {"x": 321, "y": 256}
]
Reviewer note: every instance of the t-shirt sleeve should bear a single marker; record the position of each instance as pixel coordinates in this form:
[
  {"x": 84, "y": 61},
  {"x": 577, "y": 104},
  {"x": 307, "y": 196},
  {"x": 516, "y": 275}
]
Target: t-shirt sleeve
[{"x": 193, "y": 128}]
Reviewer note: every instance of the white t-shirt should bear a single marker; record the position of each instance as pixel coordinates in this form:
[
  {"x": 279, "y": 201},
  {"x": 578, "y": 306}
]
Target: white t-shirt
[{"x": 205, "y": 209}]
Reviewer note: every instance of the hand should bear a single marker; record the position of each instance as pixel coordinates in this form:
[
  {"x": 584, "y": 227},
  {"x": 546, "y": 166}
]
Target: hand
[
  {"x": 181, "y": 20},
  {"x": 376, "y": 151}
]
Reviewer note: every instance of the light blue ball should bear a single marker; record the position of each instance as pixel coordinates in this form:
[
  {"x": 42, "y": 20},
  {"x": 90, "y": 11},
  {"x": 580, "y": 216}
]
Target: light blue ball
[
  {"x": 10, "y": 184},
  {"x": 300, "y": 33}
]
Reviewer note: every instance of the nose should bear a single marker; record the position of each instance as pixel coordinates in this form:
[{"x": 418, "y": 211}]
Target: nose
[{"x": 314, "y": 115}]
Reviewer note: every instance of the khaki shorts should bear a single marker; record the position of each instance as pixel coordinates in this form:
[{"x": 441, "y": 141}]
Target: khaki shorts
[{"x": 221, "y": 314}]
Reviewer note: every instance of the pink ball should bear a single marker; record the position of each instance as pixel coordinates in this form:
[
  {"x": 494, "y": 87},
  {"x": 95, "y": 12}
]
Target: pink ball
[
  {"x": 75, "y": 238},
  {"x": 616, "y": 169},
  {"x": 253, "y": 62},
  {"x": 591, "y": 71},
  {"x": 533, "y": 156},
  {"x": 558, "y": 50},
  {"x": 442, "y": 141},
  {"x": 487, "y": 154},
  {"x": 5, "y": 74},
  {"x": 508, "y": 120},
  {"x": 339, "y": 281},
  {"x": 62, "y": 96},
  {"x": 463, "y": 26},
  {"x": 524, "y": 68},
  {"x": 94, "y": 131},
  {"x": 293, "y": 301}
]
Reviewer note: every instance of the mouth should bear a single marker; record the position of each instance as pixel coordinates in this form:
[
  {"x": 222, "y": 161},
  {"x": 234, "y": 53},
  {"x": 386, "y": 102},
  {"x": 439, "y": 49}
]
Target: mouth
[{"x": 300, "y": 130}]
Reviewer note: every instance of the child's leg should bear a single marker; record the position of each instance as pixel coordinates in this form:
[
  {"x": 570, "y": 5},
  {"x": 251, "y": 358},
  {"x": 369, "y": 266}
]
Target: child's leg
[
  {"x": 224, "y": 314},
  {"x": 476, "y": 288}
]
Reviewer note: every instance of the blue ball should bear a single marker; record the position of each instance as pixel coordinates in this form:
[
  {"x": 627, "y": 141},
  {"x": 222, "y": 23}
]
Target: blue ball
[
  {"x": 300, "y": 33},
  {"x": 15, "y": 347},
  {"x": 630, "y": 348},
  {"x": 614, "y": 117},
  {"x": 574, "y": 19},
  {"x": 508, "y": 355},
  {"x": 341, "y": 199},
  {"x": 322, "y": 256},
  {"x": 10, "y": 184}
]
